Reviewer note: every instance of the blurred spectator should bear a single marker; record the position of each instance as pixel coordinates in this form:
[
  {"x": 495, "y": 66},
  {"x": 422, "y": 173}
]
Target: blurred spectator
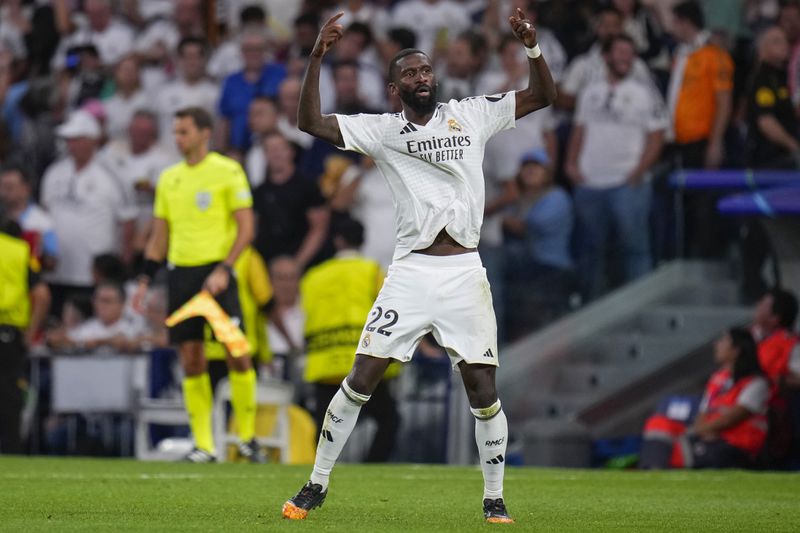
[
  {"x": 371, "y": 14},
  {"x": 773, "y": 329},
  {"x": 91, "y": 211},
  {"x": 700, "y": 101},
  {"x": 154, "y": 334},
  {"x": 16, "y": 200},
  {"x": 262, "y": 120},
  {"x": 396, "y": 39},
  {"x": 346, "y": 76},
  {"x": 591, "y": 68},
  {"x": 292, "y": 214},
  {"x": 23, "y": 309},
  {"x": 258, "y": 78},
  {"x": 641, "y": 24},
  {"x": 112, "y": 38},
  {"x": 538, "y": 228},
  {"x": 128, "y": 97},
  {"x": 84, "y": 78},
  {"x": 108, "y": 268},
  {"x": 108, "y": 330},
  {"x": 435, "y": 22},
  {"x": 495, "y": 22},
  {"x": 76, "y": 310},
  {"x": 731, "y": 428},
  {"x": 772, "y": 124},
  {"x": 789, "y": 21},
  {"x": 166, "y": 24},
  {"x": 288, "y": 102},
  {"x": 611, "y": 178},
  {"x": 306, "y": 29},
  {"x": 462, "y": 67},
  {"x": 192, "y": 88},
  {"x": 355, "y": 47},
  {"x": 337, "y": 294},
  {"x": 15, "y": 25},
  {"x": 363, "y": 192},
  {"x": 227, "y": 57},
  {"x": 286, "y": 319},
  {"x": 139, "y": 160},
  {"x": 699, "y": 95}
]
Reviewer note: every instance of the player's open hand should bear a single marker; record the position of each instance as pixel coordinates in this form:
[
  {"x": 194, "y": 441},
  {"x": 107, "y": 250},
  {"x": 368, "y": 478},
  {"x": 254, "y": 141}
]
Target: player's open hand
[
  {"x": 523, "y": 28},
  {"x": 328, "y": 35}
]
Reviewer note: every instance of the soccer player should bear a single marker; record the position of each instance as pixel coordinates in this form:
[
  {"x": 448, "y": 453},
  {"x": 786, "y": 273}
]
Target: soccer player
[
  {"x": 202, "y": 222},
  {"x": 431, "y": 155}
]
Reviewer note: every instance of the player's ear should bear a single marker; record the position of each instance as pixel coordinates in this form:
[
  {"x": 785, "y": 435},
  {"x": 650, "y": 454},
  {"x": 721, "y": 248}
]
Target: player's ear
[{"x": 392, "y": 88}]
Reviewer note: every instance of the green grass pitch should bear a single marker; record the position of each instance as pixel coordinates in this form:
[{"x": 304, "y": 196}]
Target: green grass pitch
[{"x": 120, "y": 495}]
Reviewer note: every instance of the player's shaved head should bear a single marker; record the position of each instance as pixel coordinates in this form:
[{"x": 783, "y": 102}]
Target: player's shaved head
[{"x": 394, "y": 64}]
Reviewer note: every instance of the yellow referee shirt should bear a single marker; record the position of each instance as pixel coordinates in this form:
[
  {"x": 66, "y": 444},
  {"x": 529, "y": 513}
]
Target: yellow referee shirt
[{"x": 198, "y": 204}]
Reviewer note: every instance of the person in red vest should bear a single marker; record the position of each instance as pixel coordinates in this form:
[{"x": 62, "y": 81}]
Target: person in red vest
[
  {"x": 773, "y": 323},
  {"x": 731, "y": 428},
  {"x": 779, "y": 354}
]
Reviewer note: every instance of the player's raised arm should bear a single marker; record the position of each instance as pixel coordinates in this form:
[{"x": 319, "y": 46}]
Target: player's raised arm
[
  {"x": 309, "y": 116},
  {"x": 541, "y": 91}
]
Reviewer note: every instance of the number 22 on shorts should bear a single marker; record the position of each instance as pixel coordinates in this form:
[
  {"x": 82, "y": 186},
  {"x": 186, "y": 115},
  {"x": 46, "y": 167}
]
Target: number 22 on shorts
[{"x": 376, "y": 314}]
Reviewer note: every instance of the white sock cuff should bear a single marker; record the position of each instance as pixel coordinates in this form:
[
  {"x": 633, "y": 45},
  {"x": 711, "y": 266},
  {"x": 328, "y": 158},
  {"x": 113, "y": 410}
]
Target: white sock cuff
[
  {"x": 485, "y": 413},
  {"x": 355, "y": 397}
]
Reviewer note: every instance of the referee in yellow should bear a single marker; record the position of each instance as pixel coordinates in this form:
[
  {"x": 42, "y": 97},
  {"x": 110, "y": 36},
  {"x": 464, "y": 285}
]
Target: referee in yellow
[{"x": 203, "y": 220}]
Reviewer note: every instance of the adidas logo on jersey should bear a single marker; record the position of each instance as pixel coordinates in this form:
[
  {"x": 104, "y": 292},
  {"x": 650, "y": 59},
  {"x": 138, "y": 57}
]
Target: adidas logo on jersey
[{"x": 408, "y": 129}]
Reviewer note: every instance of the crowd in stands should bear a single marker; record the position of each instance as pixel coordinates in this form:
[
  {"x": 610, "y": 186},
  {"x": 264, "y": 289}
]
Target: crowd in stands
[{"x": 577, "y": 201}]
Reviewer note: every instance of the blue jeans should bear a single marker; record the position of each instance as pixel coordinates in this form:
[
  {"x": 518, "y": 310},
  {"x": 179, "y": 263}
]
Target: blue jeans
[{"x": 626, "y": 211}]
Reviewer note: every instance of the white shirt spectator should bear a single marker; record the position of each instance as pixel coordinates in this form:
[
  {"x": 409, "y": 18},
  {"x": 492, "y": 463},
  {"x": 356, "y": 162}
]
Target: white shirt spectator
[
  {"x": 178, "y": 95},
  {"x": 119, "y": 111},
  {"x": 87, "y": 208},
  {"x": 94, "y": 329},
  {"x": 115, "y": 42},
  {"x": 139, "y": 174},
  {"x": 432, "y": 20},
  {"x": 159, "y": 31},
  {"x": 616, "y": 120},
  {"x": 590, "y": 68}
]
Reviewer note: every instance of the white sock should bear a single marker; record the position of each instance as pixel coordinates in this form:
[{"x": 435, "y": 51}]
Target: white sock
[
  {"x": 491, "y": 434},
  {"x": 340, "y": 420}
]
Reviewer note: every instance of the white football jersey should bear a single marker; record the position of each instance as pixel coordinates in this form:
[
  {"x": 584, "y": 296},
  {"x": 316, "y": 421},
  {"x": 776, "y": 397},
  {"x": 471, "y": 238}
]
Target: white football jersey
[{"x": 435, "y": 171}]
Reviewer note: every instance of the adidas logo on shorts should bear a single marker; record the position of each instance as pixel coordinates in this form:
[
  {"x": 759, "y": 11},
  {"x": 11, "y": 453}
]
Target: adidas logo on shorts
[{"x": 488, "y": 353}]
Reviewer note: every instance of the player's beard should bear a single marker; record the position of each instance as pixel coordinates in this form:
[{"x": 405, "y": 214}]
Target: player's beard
[{"x": 422, "y": 105}]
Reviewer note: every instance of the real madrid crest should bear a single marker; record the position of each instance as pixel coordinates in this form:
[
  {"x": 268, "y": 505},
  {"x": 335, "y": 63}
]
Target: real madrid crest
[
  {"x": 453, "y": 125},
  {"x": 203, "y": 200},
  {"x": 365, "y": 341}
]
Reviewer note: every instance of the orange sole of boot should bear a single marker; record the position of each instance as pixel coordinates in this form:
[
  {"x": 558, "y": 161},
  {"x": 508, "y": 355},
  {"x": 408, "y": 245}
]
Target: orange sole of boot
[
  {"x": 293, "y": 512},
  {"x": 500, "y": 520}
]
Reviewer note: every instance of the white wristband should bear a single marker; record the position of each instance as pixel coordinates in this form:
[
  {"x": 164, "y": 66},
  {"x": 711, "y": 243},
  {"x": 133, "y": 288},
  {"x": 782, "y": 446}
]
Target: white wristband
[{"x": 534, "y": 52}]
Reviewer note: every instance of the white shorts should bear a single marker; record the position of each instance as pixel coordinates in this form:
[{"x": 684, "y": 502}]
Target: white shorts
[{"x": 446, "y": 295}]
